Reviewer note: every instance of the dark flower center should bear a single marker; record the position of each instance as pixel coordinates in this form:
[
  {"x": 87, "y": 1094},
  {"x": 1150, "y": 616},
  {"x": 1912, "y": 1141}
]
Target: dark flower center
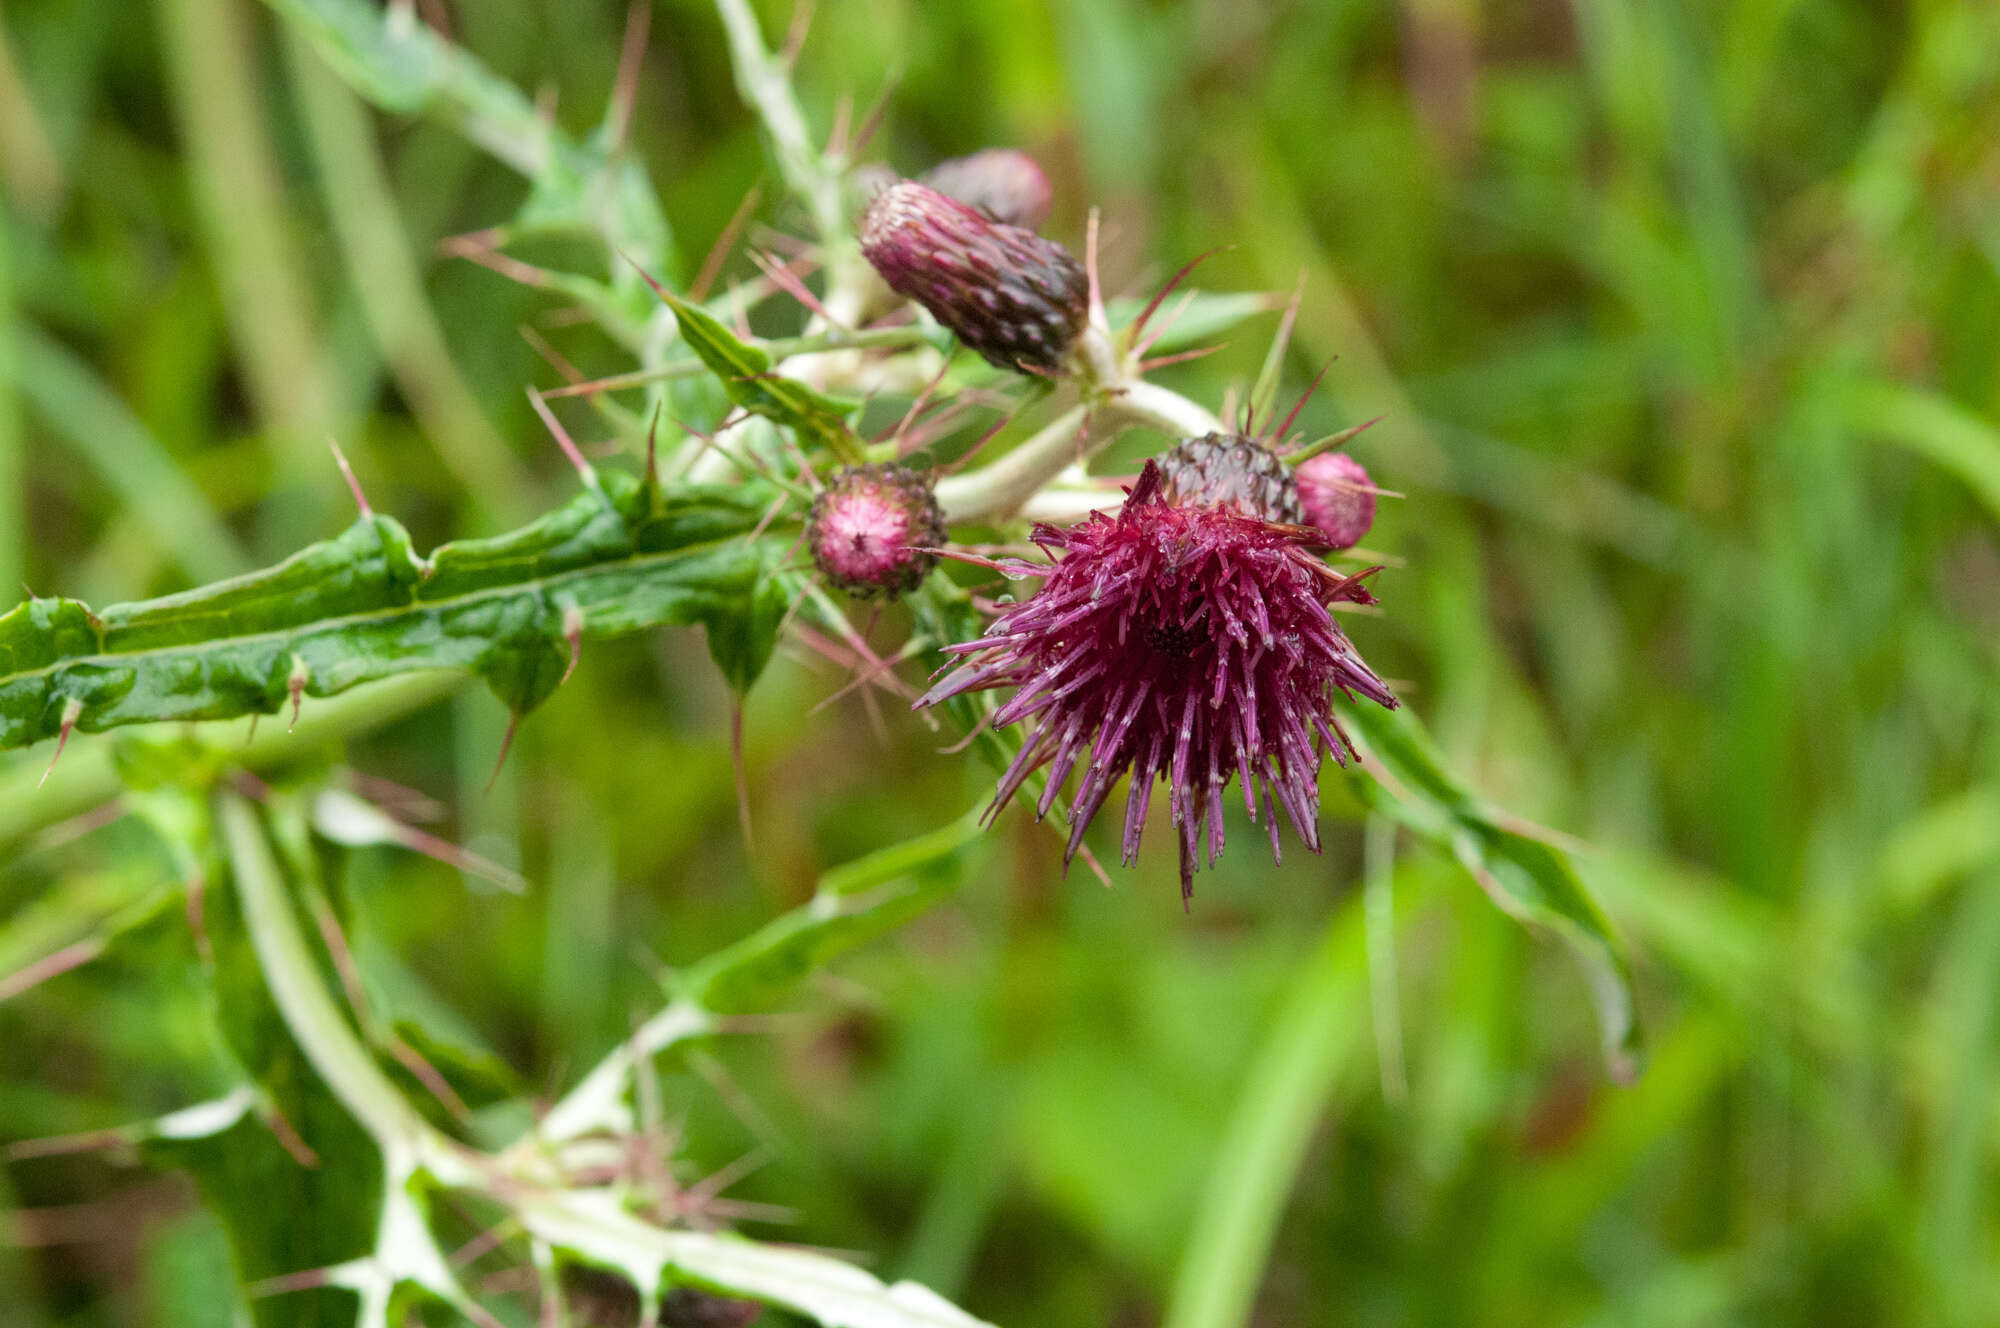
[{"x": 1179, "y": 638}]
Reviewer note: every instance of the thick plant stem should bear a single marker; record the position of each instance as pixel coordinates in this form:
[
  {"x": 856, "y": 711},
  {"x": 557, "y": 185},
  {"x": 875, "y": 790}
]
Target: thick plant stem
[
  {"x": 1115, "y": 398},
  {"x": 999, "y": 489},
  {"x": 316, "y": 1024}
]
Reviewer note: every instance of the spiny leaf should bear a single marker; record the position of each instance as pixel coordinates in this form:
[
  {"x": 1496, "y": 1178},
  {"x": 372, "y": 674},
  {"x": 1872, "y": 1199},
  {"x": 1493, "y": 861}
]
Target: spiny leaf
[
  {"x": 746, "y": 374},
  {"x": 364, "y": 606},
  {"x": 1529, "y": 877}
]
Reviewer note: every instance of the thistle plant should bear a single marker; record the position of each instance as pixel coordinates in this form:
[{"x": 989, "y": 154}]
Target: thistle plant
[{"x": 1180, "y": 629}]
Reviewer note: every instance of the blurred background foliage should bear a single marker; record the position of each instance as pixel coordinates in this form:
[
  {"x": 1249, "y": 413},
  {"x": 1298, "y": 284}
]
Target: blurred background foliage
[{"x": 1684, "y": 319}]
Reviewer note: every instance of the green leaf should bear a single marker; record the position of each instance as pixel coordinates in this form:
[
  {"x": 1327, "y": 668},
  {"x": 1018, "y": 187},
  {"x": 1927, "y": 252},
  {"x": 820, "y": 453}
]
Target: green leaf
[
  {"x": 1528, "y": 875},
  {"x": 364, "y": 606},
  {"x": 1933, "y": 427},
  {"x": 747, "y": 375}
]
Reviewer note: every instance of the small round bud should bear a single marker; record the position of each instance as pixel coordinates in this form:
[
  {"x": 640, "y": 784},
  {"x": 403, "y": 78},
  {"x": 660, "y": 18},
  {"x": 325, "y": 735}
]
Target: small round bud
[
  {"x": 1338, "y": 497},
  {"x": 1016, "y": 298},
  {"x": 1229, "y": 470},
  {"x": 866, "y": 526},
  {"x": 1005, "y": 183}
]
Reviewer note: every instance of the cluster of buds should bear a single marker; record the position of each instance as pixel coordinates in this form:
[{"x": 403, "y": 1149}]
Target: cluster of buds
[{"x": 1187, "y": 637}]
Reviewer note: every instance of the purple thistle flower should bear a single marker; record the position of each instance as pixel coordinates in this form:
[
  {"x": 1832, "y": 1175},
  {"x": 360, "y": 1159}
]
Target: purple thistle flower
[{"x": 1188, "y": 641}]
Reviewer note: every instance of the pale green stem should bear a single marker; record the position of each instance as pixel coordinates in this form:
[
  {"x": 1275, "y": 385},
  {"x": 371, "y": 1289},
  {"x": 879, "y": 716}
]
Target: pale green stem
[
  {"x": 1116, "y": 396},
  {"x": 1001, "y": 487},
  {"x": 291, "y": 972},
  {"x": 599, "y": 1101}
]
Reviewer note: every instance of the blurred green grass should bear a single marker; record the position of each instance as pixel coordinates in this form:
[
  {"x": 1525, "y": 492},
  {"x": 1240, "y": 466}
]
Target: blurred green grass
[{"x": 1685, "y": 321}]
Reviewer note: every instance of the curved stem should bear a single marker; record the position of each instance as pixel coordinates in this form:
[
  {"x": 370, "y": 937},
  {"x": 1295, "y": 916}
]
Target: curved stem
[
  {"x": 330, "y": 1044},
  {"x": 999, "y": 489}
]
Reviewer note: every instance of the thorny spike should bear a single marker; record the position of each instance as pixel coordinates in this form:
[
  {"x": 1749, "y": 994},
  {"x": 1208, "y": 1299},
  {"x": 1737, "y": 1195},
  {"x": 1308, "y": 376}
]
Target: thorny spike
[
  {"x": 71, "y": 713},
  {"x": 742, "y": 775},
  {"x": 1098, "y": 318},
  {"x": 718, "y": 253},
  {"x": 572, "y": 624},
  {"x": 506, "y": 746},
  {"x": 873, "y": 120},
  {"x": 296, "y": 685},
  {"x": 1139, "y": 323},
  {"x": 1300, "y": 405},
  {"x": 554, "y": 358},
  {"x": 1308, "y": 451},
  {"x": 584, "y": 470},
  {"x": 1179, "y": 357},
  {"x": 625, "y": 90},
  {"x": 1264, "y": 394},
  {"x": 782, "y": 275},
  {"x": 353, "y": 484},
  {"x": 795, "y": 35}
]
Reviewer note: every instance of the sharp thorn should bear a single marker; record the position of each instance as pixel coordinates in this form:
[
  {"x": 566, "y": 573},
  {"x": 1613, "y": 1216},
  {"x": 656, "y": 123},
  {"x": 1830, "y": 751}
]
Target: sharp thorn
[
  {"x": 586, "y": 471},
  {"x": 742, "y": 775},
  {"x": 296, "y": 685},
  {"x": 353, "y": 484},
  {"x": 572, "y": 633},
  {"x": 72, "y": 711},
  {"x": 1097, "y": 316},
  {"x": 506, "y": 746},
  {"x": 1304, "y": 397}
]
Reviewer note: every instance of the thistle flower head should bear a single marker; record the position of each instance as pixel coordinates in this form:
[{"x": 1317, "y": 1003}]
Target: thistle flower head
[
  {"x": 1337, "y": 497},
  {"x": 868, "y": 525},
  {"x": 1006, "y": 184},
  {"x": 1016, "y": 298},
  {"x": 1185, "y": 641}
]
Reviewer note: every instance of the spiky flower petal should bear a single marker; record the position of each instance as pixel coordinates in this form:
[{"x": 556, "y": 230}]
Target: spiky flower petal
[
  {"x": 1016, "y": 298},
  {"x": 867, "y": 528},
  {"x": 1005, "y": 183},
  {"x": 1337, "y": 497},
  {"x": 1184, "y": 641}
]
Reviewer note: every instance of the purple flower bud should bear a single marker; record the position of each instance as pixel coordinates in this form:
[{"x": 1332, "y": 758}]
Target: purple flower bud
[
  {"x": 1005, "y": 183},
  {"x": 1016, "y": 298},
  {"x": 1338, "y": 497},
  {"x": 1184, "y": 641},
  {"x": 867, "y": 525}
]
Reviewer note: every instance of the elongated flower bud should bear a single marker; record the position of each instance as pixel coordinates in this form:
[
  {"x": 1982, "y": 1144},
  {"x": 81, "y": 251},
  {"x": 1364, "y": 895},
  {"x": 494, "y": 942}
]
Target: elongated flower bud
[
  {"x": 1006, "y": 184},
  {"x": 866, "y": 526},
  {"x": 1016, "y": 298},
  {"x": 1338, "y": 497}
]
